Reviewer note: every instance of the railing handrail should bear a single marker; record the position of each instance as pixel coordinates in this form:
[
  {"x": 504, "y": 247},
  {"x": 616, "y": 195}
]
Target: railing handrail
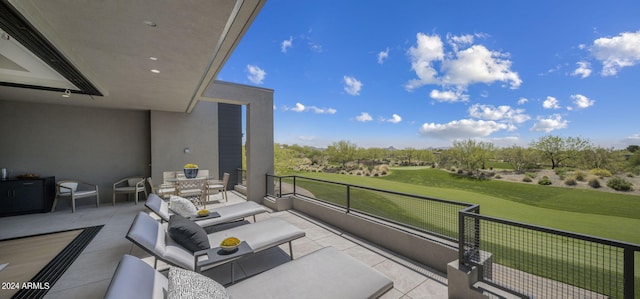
[
  {"x": 458, "y": 203},
  {"x": 563, "y": 233}
]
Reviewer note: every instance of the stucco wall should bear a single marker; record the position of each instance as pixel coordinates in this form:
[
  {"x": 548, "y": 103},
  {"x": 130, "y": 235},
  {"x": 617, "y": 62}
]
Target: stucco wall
[
  {"x": 95, "y": 145},
  {"x": 172, "y": 132}
]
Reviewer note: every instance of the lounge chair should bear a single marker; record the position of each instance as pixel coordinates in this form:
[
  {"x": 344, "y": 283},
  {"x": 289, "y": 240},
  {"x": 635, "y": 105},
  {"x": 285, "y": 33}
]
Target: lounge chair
[
  {"x": 227, "y": 213},
  {"x": 152, "y": 236},
  {"x": 325, "y": 273}
]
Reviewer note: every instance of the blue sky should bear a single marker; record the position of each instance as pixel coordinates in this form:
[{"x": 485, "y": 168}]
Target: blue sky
[{"x": 424, "y": 73}]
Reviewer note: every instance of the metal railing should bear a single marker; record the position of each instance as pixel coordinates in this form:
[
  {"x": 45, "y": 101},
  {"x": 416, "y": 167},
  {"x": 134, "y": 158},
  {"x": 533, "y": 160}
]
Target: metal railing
[
  {"x": 526, "y": 260},
  {"x": 542, "y": 262},
  {"x": 425, "y": 214},
  {"x": 241, "y": 174}
]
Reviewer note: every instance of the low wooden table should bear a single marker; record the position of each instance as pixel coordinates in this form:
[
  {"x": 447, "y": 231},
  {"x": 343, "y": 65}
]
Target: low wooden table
[{"x": 216, "y": 256}]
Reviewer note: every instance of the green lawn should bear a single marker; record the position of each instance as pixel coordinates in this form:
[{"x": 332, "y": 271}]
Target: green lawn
[
  {"x": 603, "y": 214},
  {"x": 608, "y": 215}
]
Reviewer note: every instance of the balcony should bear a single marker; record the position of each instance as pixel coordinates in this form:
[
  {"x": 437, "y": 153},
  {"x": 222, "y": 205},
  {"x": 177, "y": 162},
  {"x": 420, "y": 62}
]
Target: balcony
[{"x": 90, "y": 274}]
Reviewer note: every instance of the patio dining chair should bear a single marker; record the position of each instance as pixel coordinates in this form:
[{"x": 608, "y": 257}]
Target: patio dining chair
[
  {"x": 74, "y": 189},
  {"x": 219, "y": 186},
  {"x": 192, "y": 189},
  {"x": 130, "y": 185}
]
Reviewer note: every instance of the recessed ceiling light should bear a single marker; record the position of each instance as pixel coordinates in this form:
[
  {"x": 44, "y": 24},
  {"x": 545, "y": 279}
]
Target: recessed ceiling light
[
  {"x": 153, "y": 58},
  {"x": 150, "y": 24},
  {"x": 155, "y": 71},
  {"x": 66, "y": 94}
]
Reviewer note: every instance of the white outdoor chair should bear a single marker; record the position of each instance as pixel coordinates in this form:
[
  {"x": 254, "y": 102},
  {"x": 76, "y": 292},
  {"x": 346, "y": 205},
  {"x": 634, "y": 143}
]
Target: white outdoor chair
[
  {"x": 219, "y": 186},
  {"x": 69, "y": 189},
  {"x": 130, "y": 185}
]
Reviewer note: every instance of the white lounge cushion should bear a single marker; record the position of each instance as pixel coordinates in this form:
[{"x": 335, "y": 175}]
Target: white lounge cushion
[
  {"x": 326, "y": 273},
  {"x": 136, "y": 279},
  {"x": 182, "y": 206}
]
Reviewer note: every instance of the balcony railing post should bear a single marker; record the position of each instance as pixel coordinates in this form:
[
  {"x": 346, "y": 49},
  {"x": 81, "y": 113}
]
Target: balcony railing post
[
  {"x": 629, "y": 273},
  {"x": 461, "y": 239},
  {"x": 279, "y": 187},
  {"x": 348, "y": 198},
  {"x": 294, "y": 185}
]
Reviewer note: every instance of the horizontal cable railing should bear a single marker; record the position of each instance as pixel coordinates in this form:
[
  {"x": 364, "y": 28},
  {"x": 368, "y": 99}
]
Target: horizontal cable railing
[
  {"x": 541, "y": 262},
  {"x": 428, "y": 215}
]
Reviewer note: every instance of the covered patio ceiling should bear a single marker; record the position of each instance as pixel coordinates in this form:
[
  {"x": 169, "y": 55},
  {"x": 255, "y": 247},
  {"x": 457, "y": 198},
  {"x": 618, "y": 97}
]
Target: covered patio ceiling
[{"x": 146, "y": 54}]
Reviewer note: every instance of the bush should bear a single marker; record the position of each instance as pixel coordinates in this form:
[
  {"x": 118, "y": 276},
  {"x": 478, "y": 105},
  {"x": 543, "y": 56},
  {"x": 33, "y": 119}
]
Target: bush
[
  {"x": 497, "y": 176},
  {"x": 603, "y": 173},
  {"x": 531, "y": 174},
  {"x": 593, "y": 182},
  {"x": 545, "y": 181},
  {"x": 526, "y": 179},
  {"x": 570, "y": 181},
  {"x": 580, "y": 176},
  {"x": 620, "y": 184},
  {"x": 630, "y": 175}
]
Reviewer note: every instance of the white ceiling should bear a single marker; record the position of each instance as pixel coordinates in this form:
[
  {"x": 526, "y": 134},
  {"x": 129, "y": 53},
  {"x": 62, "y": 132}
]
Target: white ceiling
[{"x": 110, "y": 43}]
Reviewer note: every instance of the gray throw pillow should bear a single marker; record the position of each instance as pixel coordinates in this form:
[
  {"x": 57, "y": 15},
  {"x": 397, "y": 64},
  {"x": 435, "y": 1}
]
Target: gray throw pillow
[
  {"x": 187, "y": 233},
  {"x": 189, "y": 284}
]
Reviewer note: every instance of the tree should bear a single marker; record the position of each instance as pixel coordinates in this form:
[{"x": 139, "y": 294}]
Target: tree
[
  {"x": 597, "y": 157},
  {"x": 519, "y": 157},
  {"x": 633, "y": 148},
  {"x": 342, "y": 152},
  {"x": 558, "y": 150},
  {"x": 472, "y": 154}
]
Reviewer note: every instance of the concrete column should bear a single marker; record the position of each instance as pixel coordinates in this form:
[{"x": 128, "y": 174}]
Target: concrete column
[{"x": 259, "y": 127}]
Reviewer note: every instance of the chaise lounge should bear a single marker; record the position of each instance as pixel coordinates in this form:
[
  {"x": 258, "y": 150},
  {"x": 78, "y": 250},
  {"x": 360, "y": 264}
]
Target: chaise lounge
[
  {"x": 227, "y": 213},
  {"x": 190, "y": 247},
  {"x": 326, "y": 273}
]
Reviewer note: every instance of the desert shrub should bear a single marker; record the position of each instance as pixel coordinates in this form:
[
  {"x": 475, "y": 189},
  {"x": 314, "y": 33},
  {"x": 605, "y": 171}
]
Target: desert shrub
[
  {"x": 580, "y": 176},
  {"x": 630, "y": 175},
  {"x": 376, "y": 174},
  {"x": 620, "y": 184},
  {"x": 383, "y": 172},
  {"x": 384, "y": 168},
  {"x": 600, "y": 172},
  {"x": 570, "y": 181},
  {"x": 526, "y": 179},
  {"x": 593, "y": 182},
  {"x": 545, "y": 181},
  {"x": 531, "y": 174},
  {"x": 497, "y": 176},
  {"x": 453, "y": 169},
  {"x": 460, "y": 171}
]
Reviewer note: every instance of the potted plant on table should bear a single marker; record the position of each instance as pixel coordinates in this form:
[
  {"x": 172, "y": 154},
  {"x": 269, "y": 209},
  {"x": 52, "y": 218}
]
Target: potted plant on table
[{"x": 191, "y": 170}]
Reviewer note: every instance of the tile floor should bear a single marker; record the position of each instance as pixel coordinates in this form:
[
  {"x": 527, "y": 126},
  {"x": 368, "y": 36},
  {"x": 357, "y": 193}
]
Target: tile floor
[{"x": 90, "y": 274}]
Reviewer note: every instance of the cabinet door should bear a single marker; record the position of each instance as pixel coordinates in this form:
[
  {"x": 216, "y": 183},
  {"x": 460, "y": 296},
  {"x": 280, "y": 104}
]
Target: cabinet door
[
  {"x": 28, "y": 196},
  {"x": 5, "y": 197}
]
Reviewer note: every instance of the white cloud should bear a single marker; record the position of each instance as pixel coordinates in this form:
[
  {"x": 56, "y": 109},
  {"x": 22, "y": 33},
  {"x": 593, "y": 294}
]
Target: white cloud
[
  {"x": 632, "y": 140},
  {"x": 583, "y": 70},
  {"x": 464, "y": 128},
  {"x": 298, "y": 108},
  {"x": 321, "y": 110},
  {"x": 522, "y": 101},
  {"x": 448, "y": 96},
  {"x": 302, "y": 108},
  {"x": 352, "y": 86},
  {"x": 427, "y": 50},
  {"x": 394, "y": 119},
  {"x": 504, "y": 113},
  {"x": 458, "y": 68},
  {"x": 286, "y": 44},
  {"x": 307, "y": 138},
  {"x": 383, "y": 55},
  {"x": 549, "y": 124},
  {"x": 617, "y": 52},
  {"x": 551, "y": 103},
  {"x": 256, "y": 74},
  {"x": 581, "y": 101},
  {"x": 364, "y": 117}
]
